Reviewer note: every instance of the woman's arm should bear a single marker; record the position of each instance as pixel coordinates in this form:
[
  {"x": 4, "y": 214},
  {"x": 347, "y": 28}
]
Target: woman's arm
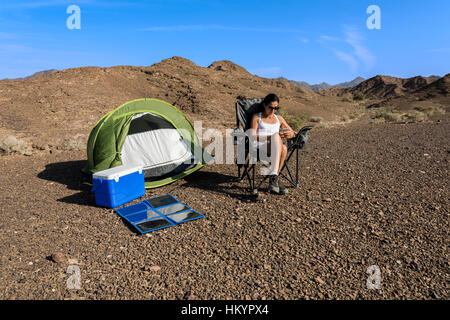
[
  {"x": 289, "y": 133},
  {"x": 254, "y": 127}
]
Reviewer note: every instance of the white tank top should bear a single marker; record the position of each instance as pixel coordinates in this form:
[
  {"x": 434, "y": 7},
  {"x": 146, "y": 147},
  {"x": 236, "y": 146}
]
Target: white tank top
[{"x": 268, "y": 129}]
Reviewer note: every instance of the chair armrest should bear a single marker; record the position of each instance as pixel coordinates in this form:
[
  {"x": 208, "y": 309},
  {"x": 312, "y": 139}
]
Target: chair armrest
[{"x": 300, "y": 140}]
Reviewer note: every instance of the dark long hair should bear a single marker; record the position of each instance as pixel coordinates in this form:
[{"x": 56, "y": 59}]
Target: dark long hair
[{"x": 271, "y": 97}]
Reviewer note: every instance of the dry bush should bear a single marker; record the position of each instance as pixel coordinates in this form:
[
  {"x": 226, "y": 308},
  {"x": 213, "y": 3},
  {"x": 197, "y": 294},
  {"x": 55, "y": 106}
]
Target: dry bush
[
  {"x": 359, "y": 97},
  {"x": 389, "y": 116},
  {"x": 295, "y": 121},
  {"x": 12, "y": 144},
  {"x": 416, "y": 116},
  {"x": 316, "y": 119},
  {"x": 430, "y": 111}
]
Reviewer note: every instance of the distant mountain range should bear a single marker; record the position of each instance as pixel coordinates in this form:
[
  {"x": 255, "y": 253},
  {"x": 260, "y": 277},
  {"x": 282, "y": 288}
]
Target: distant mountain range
[
  {"x": 324, "y": 85},
  {"x": 35, "y": 75},
  {"x": 383, "y": 87}
]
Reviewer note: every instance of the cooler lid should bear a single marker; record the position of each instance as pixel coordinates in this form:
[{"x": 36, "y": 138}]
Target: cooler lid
[{"x": 117, "y": 172}]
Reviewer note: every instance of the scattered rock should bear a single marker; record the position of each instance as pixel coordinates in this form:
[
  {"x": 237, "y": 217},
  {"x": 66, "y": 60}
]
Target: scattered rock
[
  {"x": 155, "y": 268},
  {"x": 319, "y": 280},
  {"x": 58, "y": 257}
]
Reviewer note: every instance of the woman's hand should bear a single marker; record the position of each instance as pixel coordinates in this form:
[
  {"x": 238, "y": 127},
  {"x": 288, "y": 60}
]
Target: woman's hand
[{"x": 287, "y": 134}]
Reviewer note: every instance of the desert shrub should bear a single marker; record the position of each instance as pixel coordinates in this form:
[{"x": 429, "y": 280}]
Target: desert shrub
[
  {"x": 439, "y": 110},
  {"x": 344, "y": 118},
  {"x": 315, "y": 119},
  {"x": 390, "y": 116},
  {"x": 419, "y": 114},
  {"x": 12, "y": 144},
  {"x": 295, "y": 121},
  {"x": 359, "y": 96},
  {"x": 430, "y": 111},
  {"x": 353, "y": 115},
  {"x": 422, "y": 109},
  {"x": 416, "y": 116},
  {"x": 73, "y": 145},
  {"x": 345, "y": 100}
]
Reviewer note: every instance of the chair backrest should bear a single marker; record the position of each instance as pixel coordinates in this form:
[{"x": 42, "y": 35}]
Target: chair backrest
[{"x": 244, "y": 111}]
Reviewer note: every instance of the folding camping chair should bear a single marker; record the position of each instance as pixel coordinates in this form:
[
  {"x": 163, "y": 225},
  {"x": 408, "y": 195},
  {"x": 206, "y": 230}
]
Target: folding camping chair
[{"x": 246, "y": 160}]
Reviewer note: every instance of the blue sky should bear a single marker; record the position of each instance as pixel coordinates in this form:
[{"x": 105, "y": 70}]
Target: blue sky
[{"x": 313, "y": 41}]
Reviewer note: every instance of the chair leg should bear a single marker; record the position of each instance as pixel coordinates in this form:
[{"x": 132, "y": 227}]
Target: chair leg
[
  {"x": 245, "y": 167},
  {"x": 254, "y": 190},
  {"x": 296, "y": 168},
  {"x": 251, "y": 179},
  {"x": 262, "y": 181},
  {"x": 285, "y": 166}
]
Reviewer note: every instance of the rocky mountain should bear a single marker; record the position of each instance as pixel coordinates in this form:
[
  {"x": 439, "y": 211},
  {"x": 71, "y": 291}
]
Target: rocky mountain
[
  {"x": 383, "y": 87},
  {"x": 36, "y": 75},
  {"x": 398, "y": 93},
  {"x": 350, "y": 84},
  {"x": 324, "y": 85},
  {"x": 417, "y": 93}
]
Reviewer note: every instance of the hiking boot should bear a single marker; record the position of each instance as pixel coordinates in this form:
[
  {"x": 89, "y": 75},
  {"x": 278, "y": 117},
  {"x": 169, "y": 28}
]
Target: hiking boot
[
  {"x": 273, "y": 184},
  {"x": 283, "y": 189}
]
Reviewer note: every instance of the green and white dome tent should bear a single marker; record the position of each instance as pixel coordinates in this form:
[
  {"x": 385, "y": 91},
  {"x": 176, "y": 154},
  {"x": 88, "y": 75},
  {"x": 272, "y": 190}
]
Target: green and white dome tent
[{"x": 150, "y": 133}]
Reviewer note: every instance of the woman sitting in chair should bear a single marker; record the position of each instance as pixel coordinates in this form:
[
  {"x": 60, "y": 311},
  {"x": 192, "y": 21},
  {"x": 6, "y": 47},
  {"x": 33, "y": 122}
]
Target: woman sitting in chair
[{"x": 268, "y": 130}]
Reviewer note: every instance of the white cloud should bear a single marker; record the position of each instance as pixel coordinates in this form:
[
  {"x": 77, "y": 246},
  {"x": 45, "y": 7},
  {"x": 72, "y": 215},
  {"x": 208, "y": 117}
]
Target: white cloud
[
  {"x": 304, "y": 40},
  {"x": 328, "y": 38},
  {"x": 357, "y": 55},
  {"x": 354, "y": 39},
  {"x": 349, "y": 59}
]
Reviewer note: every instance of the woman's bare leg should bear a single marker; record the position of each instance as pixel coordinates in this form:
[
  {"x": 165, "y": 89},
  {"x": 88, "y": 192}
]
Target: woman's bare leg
[
  {"x": 282, "y": 157},
  {"x": 276, "y": 148}
]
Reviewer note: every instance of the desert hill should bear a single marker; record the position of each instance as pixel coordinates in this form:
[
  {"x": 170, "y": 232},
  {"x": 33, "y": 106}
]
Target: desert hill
[
  {"x": 59, "y": 109},
  {"x": 384, "y": 87},
  {"x": 420, "y": 95},
  {"x": 436, "y": 88}
]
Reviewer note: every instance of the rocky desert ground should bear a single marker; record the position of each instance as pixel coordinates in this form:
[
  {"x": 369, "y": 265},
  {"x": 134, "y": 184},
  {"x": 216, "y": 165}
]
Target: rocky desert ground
[{"x": 373, "y": 192}]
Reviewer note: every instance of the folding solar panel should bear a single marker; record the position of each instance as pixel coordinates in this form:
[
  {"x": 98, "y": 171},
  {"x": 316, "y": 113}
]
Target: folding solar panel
[{"x": 158, "y": 213}]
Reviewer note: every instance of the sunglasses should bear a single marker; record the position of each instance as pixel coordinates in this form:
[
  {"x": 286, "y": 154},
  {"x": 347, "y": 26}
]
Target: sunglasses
[{"x": 274, "y": 108}]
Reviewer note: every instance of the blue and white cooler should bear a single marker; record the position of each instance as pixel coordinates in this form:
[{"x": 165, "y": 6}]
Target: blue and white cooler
[{"x": 119, "y": 185}]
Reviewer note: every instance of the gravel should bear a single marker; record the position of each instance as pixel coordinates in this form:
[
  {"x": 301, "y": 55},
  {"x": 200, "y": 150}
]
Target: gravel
[{"x": 368, "y": 196}]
